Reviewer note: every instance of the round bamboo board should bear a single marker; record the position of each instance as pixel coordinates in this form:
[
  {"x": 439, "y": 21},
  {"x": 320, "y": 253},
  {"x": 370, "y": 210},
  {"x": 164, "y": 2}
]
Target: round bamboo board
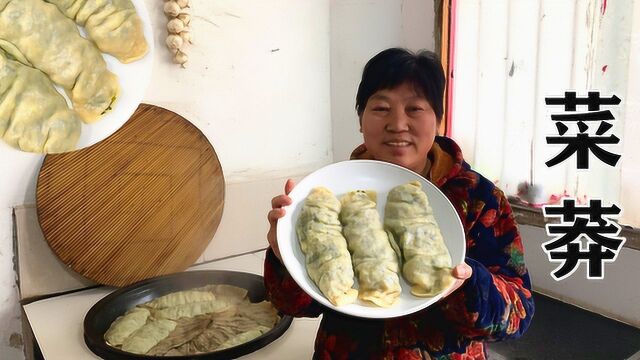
[{"x": 144, "y": 202}]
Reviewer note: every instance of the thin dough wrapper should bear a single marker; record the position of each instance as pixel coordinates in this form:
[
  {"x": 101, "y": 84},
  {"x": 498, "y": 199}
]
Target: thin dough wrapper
[
  {"x": 327, "y": 259},
  {"x": 374, "y": 261},
  {"x": 113, "y": 25},
  {"x": 262, "y": 313},
  {"x": 427, "y": 262},
  {"x": 219, "y": 332},
  {"x": 186, "y": 329},
  {"x": 34, "y": 117},
  {"x": 52, "y": 43},
  {"x": 191, "y": 309}
]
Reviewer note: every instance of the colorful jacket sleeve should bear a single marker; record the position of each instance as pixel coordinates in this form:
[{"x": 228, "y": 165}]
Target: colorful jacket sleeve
[
  {"x": 495, "y": 303},
  {"x": 284, "y": 293}
]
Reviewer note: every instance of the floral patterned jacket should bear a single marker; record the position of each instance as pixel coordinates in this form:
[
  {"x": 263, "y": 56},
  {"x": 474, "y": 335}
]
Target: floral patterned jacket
[{"x": 495, "y": 303}]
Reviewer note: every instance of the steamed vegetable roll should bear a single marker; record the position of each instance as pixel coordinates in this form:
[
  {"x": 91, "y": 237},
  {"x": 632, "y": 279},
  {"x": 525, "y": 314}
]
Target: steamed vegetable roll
[
  {"x": 427, "y": 263},
  {"x": 34, "y": 117},
  {"x": 113, "y": 25},
  {"x": 52, "y": 43},
  {"x": 190, "y": 309},
  {"x": 180, "y": 298},
  {"x": 126, "y": 325},
  {"x": 146, "y": 337},
  {"x": 327, "y": 259},
  {"x": 374, "y": 261}
]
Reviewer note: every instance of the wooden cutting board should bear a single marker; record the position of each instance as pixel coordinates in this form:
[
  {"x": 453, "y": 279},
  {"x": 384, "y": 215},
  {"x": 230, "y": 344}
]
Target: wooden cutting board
[{"x": 144, "y": 202}]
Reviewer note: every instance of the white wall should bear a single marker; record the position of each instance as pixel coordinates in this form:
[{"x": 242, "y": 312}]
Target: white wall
[
  {"x": 257, "y": 83},
  {"x": 359, "y": 30}
]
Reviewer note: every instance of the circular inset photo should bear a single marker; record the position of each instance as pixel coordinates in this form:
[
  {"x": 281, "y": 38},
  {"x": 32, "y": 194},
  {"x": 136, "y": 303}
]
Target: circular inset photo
[{"x": 75, "y": 76}]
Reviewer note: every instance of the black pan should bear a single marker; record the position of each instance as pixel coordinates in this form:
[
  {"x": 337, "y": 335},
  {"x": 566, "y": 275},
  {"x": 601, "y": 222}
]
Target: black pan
[{"x": 105, "y": 311}]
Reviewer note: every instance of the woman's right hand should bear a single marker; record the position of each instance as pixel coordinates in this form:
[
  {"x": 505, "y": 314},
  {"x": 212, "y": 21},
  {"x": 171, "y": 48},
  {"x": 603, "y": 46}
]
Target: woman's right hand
[{"x": 277, "y": 211}]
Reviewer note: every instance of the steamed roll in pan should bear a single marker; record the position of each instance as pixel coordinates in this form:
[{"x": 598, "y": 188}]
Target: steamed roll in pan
[
  {"x": 51, "y": 42},
  {"x": 126, "y": 325},
  {"x": 34, "y": 117},
  {"x": 146, "y": 337},
  {"x": 374, "y": 260},
  {"x": 113, "y": 25},
  {"x": 327, "y": 259},
  {"x": 180, "y": 298},
  {"x": 427, "y": 262},
  {"x": 190, "y": 309}
]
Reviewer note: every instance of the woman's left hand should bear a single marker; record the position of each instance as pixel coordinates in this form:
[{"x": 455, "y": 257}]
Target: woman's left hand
[{"x": 461, "y": 273}]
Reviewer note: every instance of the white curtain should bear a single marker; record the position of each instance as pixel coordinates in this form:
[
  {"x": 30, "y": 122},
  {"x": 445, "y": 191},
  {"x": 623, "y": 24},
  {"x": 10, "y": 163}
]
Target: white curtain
[{"x": 510, "y": 55}]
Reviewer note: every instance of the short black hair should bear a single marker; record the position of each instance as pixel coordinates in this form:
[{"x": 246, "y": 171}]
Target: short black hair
[{"x": 395, "y": 66}]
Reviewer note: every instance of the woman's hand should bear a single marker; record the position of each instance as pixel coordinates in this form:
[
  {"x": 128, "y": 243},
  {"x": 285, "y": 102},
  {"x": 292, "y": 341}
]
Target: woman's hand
[
  {"x": 277, "y": 211},
  {"x": 461, "y": 272}
]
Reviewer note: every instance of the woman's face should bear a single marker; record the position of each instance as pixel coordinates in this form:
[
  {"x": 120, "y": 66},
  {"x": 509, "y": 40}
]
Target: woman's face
[{"x": 399, "y": 126}]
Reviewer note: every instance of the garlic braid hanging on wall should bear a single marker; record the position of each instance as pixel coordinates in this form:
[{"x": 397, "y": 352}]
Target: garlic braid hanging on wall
[{"x": 178, "y": 28}]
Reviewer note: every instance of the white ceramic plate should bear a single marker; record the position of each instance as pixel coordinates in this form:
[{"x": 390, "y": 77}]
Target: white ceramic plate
[
  {"x": 133, "y": 78},
  {"x": 382, "y": 177}
]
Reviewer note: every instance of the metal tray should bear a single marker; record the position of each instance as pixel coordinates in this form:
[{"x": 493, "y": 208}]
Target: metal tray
[{"x": 105, "y": 311}]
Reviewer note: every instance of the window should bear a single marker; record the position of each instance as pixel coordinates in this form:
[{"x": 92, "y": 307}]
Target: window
[{"x": 510, "y": 55}]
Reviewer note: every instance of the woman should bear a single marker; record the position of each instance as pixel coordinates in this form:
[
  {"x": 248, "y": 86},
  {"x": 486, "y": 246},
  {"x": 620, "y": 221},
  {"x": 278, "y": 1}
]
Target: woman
[{"x": 399, "y": 104}]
